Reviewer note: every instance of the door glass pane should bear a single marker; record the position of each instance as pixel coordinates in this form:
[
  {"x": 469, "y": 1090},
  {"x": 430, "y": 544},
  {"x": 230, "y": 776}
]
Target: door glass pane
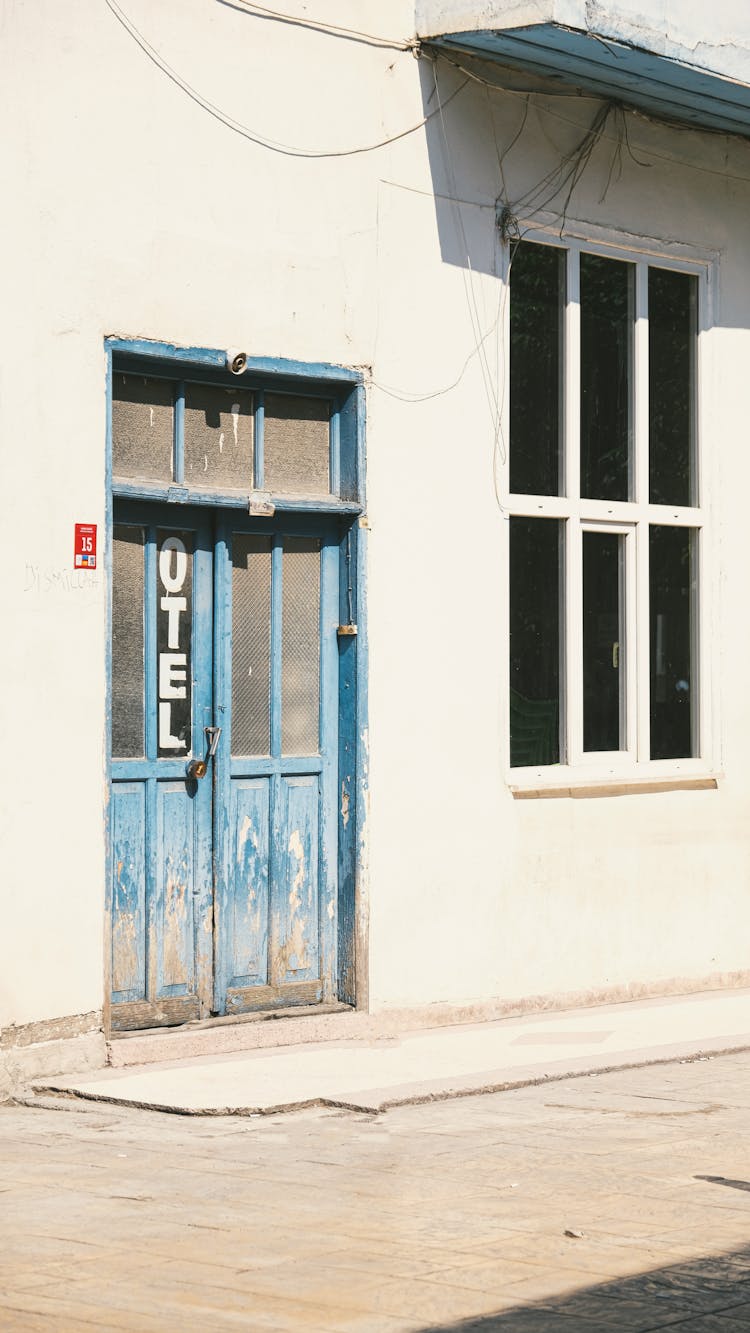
[
  {"x": 606, "y": 357},
  {"x": 127, "y": 643},
  {"x": 603, "y": 658},
  {"x": 535, "y": 606},
  {"x": 142, "y": 428},
  {"x": 672, "y": 594},
  {"x": 300, "y": 646},
  {"x": 296, "y": 445},
  {"x": 537, "y": 286},
  {"x": 174, "y": 624},
  {"x": 218, "y": 437},
  {"x": 251, "y": 645},
  {"x": 672, "y": 331}
]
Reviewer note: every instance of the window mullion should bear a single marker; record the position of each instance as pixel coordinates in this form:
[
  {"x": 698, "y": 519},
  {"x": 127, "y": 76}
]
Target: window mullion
[
  {"x": 572, "y": 383},
  {"x": 573, "y": 563},
  {"x": 640, "y": 388},
  {"x": 700, "y": 649},
  {"x": 178, "y": 457},
  {"x": 642, "y": 644},
  {"x": 630, "y": 628},
  {"x": 573, "y": 567}
]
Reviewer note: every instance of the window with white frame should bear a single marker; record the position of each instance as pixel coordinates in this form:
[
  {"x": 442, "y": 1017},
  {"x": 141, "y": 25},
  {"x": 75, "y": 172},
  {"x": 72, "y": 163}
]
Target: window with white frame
[{"x": 605, "y": 524}]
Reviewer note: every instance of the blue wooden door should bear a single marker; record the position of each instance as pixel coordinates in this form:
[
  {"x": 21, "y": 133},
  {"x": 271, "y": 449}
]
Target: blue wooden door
[{"x": 224, "y": 886}]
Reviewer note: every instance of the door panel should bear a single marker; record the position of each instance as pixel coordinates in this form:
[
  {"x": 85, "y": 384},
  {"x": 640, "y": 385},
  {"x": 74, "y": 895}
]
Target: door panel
[
  {"x": 249, "y": 880},
  {"x": 175, "y": 889},
  {"x": 160, "y": 821},
  {"x": 295, "y": 952},
  {"x": 128, "y": 829}
]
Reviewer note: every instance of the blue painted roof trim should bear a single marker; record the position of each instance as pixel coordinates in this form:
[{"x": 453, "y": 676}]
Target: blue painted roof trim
[
  {"x": 657, "y": 84},
  {"x": 267, "y": 366}
]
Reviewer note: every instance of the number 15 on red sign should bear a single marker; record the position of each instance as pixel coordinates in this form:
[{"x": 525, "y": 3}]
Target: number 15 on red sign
[{"x": 84, "y": 554}]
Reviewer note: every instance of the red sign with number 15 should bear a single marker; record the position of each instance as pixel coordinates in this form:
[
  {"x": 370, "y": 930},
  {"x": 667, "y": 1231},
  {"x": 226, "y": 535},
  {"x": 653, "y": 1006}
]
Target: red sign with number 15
[{"x": 85, "y": 546}]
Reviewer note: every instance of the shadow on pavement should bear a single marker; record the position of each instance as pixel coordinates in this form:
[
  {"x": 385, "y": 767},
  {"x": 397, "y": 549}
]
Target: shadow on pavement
[
  {"x": 698, "y": 1296},
  {"x": 723, "y": 1180}
]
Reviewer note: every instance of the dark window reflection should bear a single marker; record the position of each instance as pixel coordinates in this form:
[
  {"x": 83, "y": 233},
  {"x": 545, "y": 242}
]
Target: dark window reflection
[
  {"x": 534, "y": 641},
  {"x": 606, "y": 356},
  {"x": 536, "y": 300},
  {"x": 671, "y": 582},
  {"x": 602, "y": 647},
  {"x": 672, "y": 309}
]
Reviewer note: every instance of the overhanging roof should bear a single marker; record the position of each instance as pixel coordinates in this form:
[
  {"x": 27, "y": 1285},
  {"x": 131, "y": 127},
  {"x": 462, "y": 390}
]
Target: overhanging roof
[{"x": 657, "y": 84}]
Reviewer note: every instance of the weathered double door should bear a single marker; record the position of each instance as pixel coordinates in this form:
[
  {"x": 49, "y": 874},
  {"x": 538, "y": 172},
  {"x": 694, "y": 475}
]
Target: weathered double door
[{"x": 224, "y": 764}]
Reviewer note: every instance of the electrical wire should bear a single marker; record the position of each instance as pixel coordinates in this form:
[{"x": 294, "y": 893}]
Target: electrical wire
[
  {"x": 285, "y": 149},
  {"x": 493, "y": 376},
  {"x": 467, "y": 273},
  {"x": 569, "y": 170},
  {"x": 407, "y": 396},
  {"x": 565, "y": 176},
  {"x": 329, "y": 29},
  {"x": 633, "y": 111}
]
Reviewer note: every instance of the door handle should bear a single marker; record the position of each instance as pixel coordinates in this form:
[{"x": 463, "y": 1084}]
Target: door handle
[{"x": 197, "y": 768}]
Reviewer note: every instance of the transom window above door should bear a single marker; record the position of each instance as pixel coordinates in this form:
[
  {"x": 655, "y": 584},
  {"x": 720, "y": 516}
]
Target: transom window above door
[
  {"x": 607, "y": 524},
  {"x": 208, "y": 439}
]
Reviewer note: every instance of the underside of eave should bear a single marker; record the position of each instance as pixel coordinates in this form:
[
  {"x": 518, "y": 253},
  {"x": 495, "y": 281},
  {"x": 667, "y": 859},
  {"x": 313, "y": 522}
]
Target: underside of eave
[{"x": 584, "y": 63}]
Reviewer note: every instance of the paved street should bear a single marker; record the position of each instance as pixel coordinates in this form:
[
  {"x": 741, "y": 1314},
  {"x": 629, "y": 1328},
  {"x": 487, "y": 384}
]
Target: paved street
[{"x": 448, "y": 1216}]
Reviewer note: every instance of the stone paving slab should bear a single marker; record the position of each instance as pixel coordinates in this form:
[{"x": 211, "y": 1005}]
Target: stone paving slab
[
  {"x": 451, "y": 1216},
  {"x": 371, "y": 1075}
]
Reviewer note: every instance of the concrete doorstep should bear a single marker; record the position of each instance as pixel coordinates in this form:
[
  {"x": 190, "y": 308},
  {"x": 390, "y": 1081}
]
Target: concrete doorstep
[{"x": 372, "y": 1074}]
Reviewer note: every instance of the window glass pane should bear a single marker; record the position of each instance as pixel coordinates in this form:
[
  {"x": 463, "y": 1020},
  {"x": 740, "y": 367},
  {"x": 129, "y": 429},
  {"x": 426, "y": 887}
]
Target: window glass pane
[
  {"x": 672, "y": 599},
  {"x": 606, "y": 356},
  {"x": 672, "y": 323},
  {"x": 603, "y": 659},
  {"x": 296, "y": 445},
  {"x": 537, "y": 284},
  {"x": 300, "y": 646},
  {"x": 218, "y": 437},
  {"x": 142, "y": 428},
  {"x": 535, "y": 568},
  {"x": 174, "y": 626},
  {"x": 251, "y": 645},
  {"x": 127, "y": 643}
]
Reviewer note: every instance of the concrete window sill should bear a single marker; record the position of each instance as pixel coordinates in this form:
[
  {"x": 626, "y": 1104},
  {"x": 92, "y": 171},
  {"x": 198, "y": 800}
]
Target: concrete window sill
[{"x": 634, "y": 787}]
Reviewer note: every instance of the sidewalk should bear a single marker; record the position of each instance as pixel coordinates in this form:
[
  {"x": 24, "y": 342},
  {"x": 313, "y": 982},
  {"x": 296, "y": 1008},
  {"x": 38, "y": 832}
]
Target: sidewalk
[{"x": 431, "y": 1064}]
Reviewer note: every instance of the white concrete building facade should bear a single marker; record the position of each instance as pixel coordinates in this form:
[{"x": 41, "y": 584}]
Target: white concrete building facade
[{"x": 456, "y": 562}]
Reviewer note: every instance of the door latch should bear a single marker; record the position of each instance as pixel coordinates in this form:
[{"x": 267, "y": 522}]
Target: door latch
[{"x": 197, "y": 768}]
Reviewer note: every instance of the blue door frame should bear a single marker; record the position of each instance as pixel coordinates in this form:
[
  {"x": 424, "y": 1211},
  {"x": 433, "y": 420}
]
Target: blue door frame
[{"x": 311, "y": 806}]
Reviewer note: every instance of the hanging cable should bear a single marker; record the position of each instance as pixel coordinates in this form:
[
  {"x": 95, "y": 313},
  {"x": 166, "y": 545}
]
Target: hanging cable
[
  {"x": 285, "y": 149},
  {"x": 634, "y": 112},
  {"x": 317, "y": 25},
  {"x": 467, "y": 274}
]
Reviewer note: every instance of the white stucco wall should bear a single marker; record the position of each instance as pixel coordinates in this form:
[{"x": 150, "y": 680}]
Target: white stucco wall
[{"x": 135, "y": 212}]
